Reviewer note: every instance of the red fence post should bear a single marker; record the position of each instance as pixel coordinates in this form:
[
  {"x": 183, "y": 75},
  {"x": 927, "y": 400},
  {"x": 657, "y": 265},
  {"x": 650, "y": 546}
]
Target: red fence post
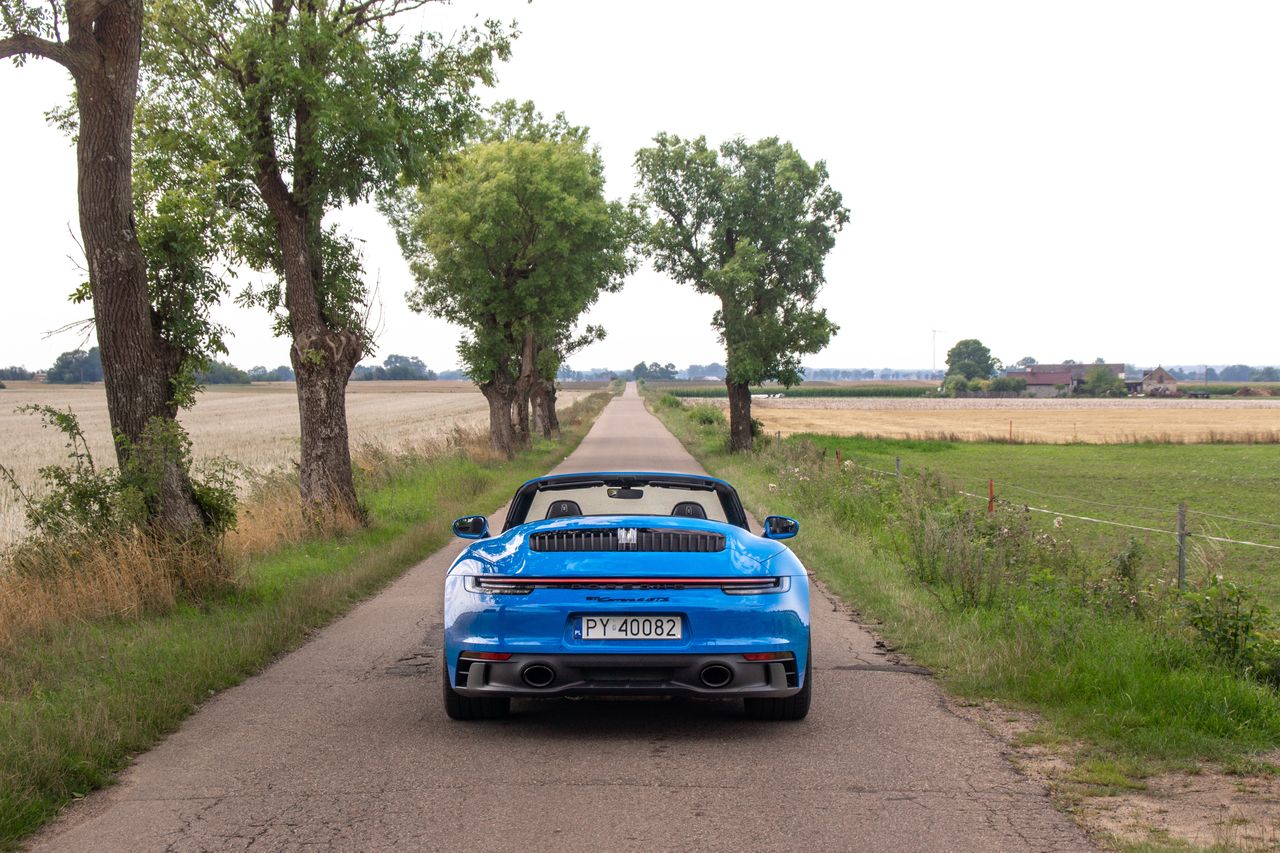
[{"x": 991, "y": 496}]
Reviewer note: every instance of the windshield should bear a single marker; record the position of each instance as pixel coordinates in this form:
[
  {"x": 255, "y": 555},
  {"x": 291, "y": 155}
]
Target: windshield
[{"x": 602, "y": 495}]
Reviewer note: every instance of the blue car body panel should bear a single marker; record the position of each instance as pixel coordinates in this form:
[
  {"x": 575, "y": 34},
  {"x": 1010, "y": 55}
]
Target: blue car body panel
[{"x": 546, "y": 622}]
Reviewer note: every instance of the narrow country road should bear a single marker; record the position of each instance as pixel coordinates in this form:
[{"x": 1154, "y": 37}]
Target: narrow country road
[{"x": 344, "y": 744}]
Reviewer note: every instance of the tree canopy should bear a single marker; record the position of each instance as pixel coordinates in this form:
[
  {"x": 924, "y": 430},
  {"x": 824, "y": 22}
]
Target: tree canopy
[
  {"x": 292, "y": 110},
  {"x": 513, "y": 243},
  {"x": 751, "y": 224},
  {"x": 971, "y": 359}
]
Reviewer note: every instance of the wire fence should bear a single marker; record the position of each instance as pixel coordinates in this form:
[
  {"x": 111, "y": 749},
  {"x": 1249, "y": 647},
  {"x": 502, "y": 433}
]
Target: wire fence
[{"x": 993, "y": 498}]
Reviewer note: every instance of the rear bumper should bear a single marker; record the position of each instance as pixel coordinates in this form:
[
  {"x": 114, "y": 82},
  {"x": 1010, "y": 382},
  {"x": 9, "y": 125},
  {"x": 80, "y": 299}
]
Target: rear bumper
[{"x": 627, "y": 674}]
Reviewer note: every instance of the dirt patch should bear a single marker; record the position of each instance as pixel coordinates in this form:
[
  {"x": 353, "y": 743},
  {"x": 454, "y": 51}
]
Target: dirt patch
[{"x": 1208, "y": 809}]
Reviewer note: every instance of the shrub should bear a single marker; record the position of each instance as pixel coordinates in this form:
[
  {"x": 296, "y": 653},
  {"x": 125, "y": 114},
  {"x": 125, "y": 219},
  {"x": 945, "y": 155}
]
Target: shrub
[
  {"x": 706, "y": 414},
  {"x": 670, "y": 401},
  {"x": 1234, "y": 629}
]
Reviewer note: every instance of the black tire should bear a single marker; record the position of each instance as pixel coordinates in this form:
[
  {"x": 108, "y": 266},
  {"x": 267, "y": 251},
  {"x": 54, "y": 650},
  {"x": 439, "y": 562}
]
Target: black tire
[
  {"x": 460, "y": 707},
  {"x": 788, "y": 708}
]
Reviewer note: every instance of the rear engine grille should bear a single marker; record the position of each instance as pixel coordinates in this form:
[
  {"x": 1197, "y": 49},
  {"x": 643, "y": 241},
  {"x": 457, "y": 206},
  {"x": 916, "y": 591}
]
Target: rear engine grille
[{"x": 645, "y": 539}]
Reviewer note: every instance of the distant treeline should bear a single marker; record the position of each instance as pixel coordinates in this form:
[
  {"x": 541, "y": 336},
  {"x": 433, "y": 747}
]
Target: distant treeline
[{"x": 868, "y": 390}]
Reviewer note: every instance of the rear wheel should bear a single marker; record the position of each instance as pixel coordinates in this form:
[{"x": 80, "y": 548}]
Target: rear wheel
[
  {"x": 460, "y": 707},
  {"x": 788, "y": 708}
]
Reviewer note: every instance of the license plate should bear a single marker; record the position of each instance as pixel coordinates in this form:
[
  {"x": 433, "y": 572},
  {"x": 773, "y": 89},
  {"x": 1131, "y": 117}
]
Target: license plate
[{"x": 631, "y": 628}]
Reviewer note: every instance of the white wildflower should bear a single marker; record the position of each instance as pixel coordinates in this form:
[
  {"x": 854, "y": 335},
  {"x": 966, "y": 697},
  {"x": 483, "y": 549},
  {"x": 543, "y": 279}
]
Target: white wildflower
[{"x": 1057, "y": 522}]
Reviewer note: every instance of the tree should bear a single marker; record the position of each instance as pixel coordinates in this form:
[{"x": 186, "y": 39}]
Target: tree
[
  {"x": 76, "y": 366},
  {"x": 970, "y": 359},
  {"x": 1027, "y": 361},
  {"x": 1235, "y": 373},
  {"x": 1265, "y": 374},
  {"x": 513, "y": 243},
  {"x": 750, "y": 224},
  {"x": 305, "y": 106},
  {"x": 15, "y": 372},
  {"x": 142, "y": 362},
  {"x": 222, "y": 373},
  {"x": 1099, "y": 381}
]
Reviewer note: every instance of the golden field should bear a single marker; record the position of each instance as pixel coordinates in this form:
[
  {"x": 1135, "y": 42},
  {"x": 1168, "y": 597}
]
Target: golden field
[
  {"x": 1027, "y": 420},
  {"x": 253, "y": 425}
]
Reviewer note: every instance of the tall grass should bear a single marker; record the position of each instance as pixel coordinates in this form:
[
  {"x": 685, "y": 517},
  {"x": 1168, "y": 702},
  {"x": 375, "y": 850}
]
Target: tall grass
[
  {"x": 1120, "y": 663},
  {"x": 79, "y": 696}
]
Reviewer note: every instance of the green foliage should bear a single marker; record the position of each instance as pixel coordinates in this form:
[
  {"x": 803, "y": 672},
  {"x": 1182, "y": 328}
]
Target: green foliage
[
  {"x": 516, "y": 239},
  {"x": 395, "y": 367},
  {"x": 76, "y": 366},
  {"x": 1235, "y": 629},
  {"x": 705, "y": 414},
  {"x": 971, "y": 359},
  {"x": 750, "y": 224},
  {"x": 670, "y": 401},
  {"x": 221, "y": 373},
  {"x": 16, "y": 373},
  {"x": 1007, "y": 385},
  {"x": 1099, "y": 381},
  {"x": 955, "y": 385},
  {"x": 294, "y": 110},
  {"x": 79, "y": 500},
  {"x": 653, "y": 371}
]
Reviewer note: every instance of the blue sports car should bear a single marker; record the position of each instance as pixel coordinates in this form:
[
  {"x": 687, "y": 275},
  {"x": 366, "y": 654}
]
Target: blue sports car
[{"x": 631, "y": 584}]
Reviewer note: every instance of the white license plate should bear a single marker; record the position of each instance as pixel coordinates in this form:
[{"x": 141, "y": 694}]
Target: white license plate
[{"x": 631, "y": 627}]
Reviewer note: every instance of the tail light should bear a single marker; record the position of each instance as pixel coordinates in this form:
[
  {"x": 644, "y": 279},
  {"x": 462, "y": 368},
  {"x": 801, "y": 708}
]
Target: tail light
[
  {"x": 498, "y": 656},
  {"x": 477, "y": 583},
  {"x": 767, "y": 656},
  {"x": 758, "y": 586}
]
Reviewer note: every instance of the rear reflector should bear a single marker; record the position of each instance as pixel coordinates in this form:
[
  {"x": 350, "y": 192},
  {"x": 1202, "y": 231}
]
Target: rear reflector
[
  {"x": 487, "y": 655},
  {"x": 756, "y": 656}
]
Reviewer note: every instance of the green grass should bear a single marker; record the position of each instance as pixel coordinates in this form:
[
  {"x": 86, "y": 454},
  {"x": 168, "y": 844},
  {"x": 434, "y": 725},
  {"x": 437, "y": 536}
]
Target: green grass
[
  {"x": 1130, "y": 694},
  {"x": 1139, "y": 484},
  {"x": 80, "y": 700}
]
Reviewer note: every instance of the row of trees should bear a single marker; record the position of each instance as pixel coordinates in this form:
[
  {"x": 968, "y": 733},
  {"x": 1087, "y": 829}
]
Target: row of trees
[{"x": 214, "y": 135}]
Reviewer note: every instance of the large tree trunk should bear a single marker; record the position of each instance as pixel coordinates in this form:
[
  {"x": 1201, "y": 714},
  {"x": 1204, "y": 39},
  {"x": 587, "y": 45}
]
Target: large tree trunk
[
  {"x": 526, "y": 383},
  {"x": 138, "y": 365},
  {"x": 553, "y": 419},
  {"x": 545, "y": 422},
  {"x": 502, "y": 435},
  {"x": 323, "y": 365},
  {"x": 739, "y": 415}
]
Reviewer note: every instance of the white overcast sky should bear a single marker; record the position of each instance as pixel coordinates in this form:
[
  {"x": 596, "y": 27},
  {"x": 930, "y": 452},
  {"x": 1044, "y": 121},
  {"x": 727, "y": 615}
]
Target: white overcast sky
[{"x": 1061, "y": 180}]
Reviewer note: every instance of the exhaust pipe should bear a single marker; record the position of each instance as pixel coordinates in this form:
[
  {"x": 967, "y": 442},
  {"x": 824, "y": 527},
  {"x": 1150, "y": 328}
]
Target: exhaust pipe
[
  {"x": 716, "y": 675},
  {"x": 538, "y": 675}
]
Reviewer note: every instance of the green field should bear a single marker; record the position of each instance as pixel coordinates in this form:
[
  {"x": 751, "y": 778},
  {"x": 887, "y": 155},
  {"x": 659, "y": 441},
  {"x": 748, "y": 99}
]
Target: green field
[
  {"x": 1138, "y": 484},
  {"x": 1107, "y": 655}
]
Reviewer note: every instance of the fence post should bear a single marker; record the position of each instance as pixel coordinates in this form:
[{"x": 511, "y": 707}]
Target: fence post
[
  {"x": 991, "y": 496},
  {"x": 897, "y": 467},
  {"x": 1182, "y": 545},
  {"x": 838, "y": 459}
]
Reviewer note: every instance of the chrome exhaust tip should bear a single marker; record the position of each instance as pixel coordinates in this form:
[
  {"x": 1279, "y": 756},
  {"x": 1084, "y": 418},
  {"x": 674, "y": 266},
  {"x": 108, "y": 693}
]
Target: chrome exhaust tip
[
  {"x": 716, "y": 675},
  {"x": 538, "y": 675}
]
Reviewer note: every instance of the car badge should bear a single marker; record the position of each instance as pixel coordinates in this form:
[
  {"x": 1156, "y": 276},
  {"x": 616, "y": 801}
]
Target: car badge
[{"x": 627, "y": 536}]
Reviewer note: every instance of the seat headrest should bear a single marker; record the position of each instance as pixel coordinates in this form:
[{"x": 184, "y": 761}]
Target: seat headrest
[
  {"x": 689, "y": 509},
  {"x": 563, "y": 509}
]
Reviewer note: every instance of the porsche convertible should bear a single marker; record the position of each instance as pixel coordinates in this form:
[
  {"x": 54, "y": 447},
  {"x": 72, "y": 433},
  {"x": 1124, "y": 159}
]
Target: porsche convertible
[{"x": 626, "y": 584}]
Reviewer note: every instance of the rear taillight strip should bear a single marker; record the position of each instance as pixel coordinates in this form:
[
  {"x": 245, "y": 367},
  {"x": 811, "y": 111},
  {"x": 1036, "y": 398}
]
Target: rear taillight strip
[{"x": 527, "y": 581}]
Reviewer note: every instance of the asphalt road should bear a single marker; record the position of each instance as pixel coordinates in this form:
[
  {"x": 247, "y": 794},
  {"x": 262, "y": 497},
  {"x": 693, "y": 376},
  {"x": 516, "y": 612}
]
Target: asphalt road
[{"x": 344, "y": 744}]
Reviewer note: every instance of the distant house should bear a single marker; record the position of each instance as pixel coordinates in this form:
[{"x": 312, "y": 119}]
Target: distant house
[
  {"x": 1154, "y": 383},
  {"x": 40, "y": 376},
  {"x": 1057, "y": 380}
]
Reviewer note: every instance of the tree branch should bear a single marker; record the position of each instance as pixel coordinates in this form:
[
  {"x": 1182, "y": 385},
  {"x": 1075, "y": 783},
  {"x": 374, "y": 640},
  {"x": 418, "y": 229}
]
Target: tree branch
[{"x": 24, "y": 44}]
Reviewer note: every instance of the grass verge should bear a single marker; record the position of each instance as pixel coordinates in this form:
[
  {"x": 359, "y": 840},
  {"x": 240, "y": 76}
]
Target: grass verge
[
  {"x": 1110, "y": 664},
  {"x": 80, "y": 698}
]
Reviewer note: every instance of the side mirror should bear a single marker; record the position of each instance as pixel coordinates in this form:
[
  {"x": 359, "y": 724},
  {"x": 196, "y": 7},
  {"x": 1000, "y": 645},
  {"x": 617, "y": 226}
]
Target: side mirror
[
  {"x": 780, "y": 527},
  {"x": 471, "y": 527}
]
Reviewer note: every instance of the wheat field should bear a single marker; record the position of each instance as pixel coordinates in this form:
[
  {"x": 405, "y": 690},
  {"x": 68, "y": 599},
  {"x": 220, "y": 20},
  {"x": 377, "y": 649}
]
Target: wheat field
[
  {"x": 255, "y": 426},
  {"x": 1051, "y": 421}
]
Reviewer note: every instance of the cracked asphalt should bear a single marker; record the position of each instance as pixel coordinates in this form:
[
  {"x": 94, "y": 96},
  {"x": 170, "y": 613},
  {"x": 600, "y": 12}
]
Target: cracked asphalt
[{"x": 343, "y": 744}]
